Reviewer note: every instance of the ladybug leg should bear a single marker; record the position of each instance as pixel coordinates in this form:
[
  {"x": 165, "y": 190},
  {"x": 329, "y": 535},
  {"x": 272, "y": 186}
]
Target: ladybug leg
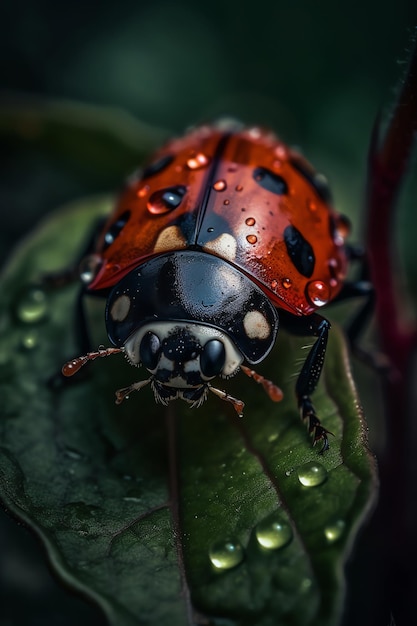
[
  {"x": 309, "y": 377},
  {"x": 313, "y": 326},
  {"x": 361, "y": 288},
  {"x": 67, "y": 276},
  {"x": 70, "y": 274},
  {"x": 365, "y": 290}
]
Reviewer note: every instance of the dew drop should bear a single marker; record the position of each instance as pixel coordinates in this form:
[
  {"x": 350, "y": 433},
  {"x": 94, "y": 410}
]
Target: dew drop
[
  {"x": 73, "y": 454},
  {"x": 335, "y": 530},
  {"x": 312, "y": 474},
  {"x": 274, "y": 284},
  {"x": 250, "y": 221},
  {"x": 343, "y": 226},
  {"x": 273, "y": 533},
  {"x": 226, "y": 202},
  {"x": 89, "y": 268},
  {"x": 306, "y": 585},
  {"x": 334, "y": 272},
  {"x": 210, "y": 230},
  {"x": 226, "y": 554},
  {"x": 333, "y": 265},
  {"x": 239, "y": 187},
  {"x": 198, "y": 161},
  {"x": 166, "y": 200},
  {"x": 281, "y": 152},
  {"x": 133, "y": 495},
  {"x": 317, "y": 292},
  {"x": 32, "y": 306},
  {"x": 29, "y": 341},
  {"x": 220, "y": 185},
  {"x": 252, "y": 239},
  {"x": 255, "y": 132},
  {"x": 286, "y": 283},
  {"x": 143, "y": 191}
]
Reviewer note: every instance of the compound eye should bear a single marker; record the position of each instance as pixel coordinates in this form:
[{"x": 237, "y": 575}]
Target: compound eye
[
  {"x": 150, "y": 350},
  {"x": 213, "y": 358}
]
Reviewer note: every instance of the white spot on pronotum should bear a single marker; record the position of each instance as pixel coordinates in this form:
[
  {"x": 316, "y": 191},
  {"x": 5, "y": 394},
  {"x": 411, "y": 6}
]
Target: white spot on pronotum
[
  {"x": 224, "y": 246},
  {"x": 171, "y": 238},
  {"x": 256, "y": 325},
  {"x": 120, "y": 308}
]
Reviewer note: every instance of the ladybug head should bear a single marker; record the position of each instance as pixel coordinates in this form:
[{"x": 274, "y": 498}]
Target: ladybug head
[
  {"x": 182, "y": 358},
  {"x": 187, "y": 317}
]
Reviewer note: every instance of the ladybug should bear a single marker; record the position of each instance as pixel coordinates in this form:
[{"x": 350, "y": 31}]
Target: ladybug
[{"x": 225, "y": 234}]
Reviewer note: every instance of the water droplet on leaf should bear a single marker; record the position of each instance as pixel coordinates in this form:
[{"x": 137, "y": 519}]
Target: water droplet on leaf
[
  {"x": 32, "y": 306},
  {"x": 273, "y": 533},
  {"x": 133, "y": 495},
  {"x": 73, "y": 454},
  {"x": 334, "y": 530},
  {"x": 226, "y": 554},
  {"x": 29, "y": 341},
  {"x": 312, "y": 474}
]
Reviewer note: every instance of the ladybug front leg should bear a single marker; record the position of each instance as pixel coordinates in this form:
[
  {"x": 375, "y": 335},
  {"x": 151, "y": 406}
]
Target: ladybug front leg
[{"x": 314, "y": 326}]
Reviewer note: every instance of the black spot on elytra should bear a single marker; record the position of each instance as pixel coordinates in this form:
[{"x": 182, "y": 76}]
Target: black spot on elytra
[
  {"x": 299, "y": 250},
  {"x": 115, "y": 229},
  {"x": 157, "y": 166},
  {"x": 270, "y": 181}
]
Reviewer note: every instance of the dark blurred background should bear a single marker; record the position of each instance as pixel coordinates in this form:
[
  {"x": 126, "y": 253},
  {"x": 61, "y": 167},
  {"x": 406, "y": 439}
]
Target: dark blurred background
[{"x": 316, "y": 72}]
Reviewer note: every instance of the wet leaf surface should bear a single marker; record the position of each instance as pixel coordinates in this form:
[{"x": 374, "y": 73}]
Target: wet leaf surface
[{"x": 131, "y": 501}]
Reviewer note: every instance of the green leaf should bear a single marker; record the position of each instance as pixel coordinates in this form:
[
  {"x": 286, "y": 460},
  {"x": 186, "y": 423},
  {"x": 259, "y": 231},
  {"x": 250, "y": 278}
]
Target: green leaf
[
  {"x": 132, "y": 500},
  {"x": 96, "y": 142}
]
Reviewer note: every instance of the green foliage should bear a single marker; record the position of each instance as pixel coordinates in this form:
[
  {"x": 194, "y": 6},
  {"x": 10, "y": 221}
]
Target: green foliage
[
  {"x": 130, "y": 500},
  {"x": 95, "y": 143}
]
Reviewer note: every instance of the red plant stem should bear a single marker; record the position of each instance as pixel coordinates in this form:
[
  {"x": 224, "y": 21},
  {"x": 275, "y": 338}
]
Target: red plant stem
[
  {"x": 388, "y": 162},
  {"x": 387, "y": 168}
]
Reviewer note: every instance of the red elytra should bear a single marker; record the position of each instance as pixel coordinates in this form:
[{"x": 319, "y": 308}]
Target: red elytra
[{"x": 244, "y": 196}]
